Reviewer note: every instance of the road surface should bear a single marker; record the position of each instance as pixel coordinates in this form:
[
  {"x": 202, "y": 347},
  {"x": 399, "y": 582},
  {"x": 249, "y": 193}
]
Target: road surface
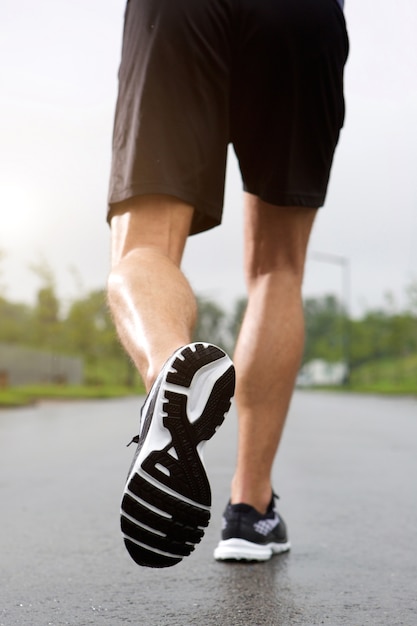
[{"x": 346, "y": 475}]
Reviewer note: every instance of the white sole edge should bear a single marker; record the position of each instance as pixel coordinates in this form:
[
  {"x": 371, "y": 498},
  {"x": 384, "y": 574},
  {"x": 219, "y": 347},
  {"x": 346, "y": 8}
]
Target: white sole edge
[{"x": 242, "y": 550}]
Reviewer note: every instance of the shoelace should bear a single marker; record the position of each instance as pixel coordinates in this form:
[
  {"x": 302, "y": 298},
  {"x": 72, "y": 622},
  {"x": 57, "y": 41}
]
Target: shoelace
[{"x": 134, "y": 439}]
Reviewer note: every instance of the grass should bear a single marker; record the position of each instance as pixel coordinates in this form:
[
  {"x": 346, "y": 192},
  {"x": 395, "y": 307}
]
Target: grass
[
  {"x": 23, "y": 396},
  {"x": 387, "y": 376},
  {"x": 386, "y": 388}
]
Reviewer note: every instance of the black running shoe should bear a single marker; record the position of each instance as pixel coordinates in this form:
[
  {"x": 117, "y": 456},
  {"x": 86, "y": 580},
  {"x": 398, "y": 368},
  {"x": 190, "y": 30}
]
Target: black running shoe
[
  {"x": 249, "y": 536},
  {"x": 167, "y": 497}
]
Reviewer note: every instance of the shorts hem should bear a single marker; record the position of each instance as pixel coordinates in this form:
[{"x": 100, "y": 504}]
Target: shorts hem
[
  {"x": 207, "y": 215},
  {"x": 308, "y": 200}
]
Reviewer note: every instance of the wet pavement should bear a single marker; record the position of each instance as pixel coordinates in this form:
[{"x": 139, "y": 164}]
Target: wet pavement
[{"x": 346, "y": 475}]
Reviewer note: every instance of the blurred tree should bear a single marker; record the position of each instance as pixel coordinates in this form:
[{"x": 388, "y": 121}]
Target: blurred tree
[
  {"x": 326, "y": 327},
  {"x": 15, "y": 322},
  {"x": 46, "y": 319},
  {"x": 88, "y": 331},
  {"x": 84, "y": 328},
  {"x": 370, "y": 337},
  {"x": 211, "y": 324}
]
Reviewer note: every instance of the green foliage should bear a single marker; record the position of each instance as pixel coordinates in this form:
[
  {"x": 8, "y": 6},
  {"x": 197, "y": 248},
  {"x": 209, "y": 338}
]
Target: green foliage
[
  {"x": 89, "y": 329},
  {"x": 15, "y": 322},
  {"x": 211, "y": 324},
  {"x": 390, "y": 375},
  {"x": 47, "y": 327},
  {"x": 84, "y": 328},
  {"x": 327, "y": 329},
  {"x": 210, "y": 321},
  {"x": 89, "y": 332},
  {"x": 379, "y": 335},
  {"x": 215, "y": 325}
]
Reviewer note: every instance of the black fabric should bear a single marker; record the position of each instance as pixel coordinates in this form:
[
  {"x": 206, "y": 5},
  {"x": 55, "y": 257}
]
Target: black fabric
[
  {"x": 266, "y": 75},
  {"x": 240, "y": 522}
]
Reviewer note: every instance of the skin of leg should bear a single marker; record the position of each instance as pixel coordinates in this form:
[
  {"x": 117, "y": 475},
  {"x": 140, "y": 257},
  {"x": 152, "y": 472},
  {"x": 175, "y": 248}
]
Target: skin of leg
[
  {"x": 151, "y": 301},
  {"x": 270, "y": 344}
]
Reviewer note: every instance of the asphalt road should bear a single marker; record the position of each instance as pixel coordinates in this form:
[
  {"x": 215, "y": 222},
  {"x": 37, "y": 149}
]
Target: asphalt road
[{"x": 346, "y": 475}]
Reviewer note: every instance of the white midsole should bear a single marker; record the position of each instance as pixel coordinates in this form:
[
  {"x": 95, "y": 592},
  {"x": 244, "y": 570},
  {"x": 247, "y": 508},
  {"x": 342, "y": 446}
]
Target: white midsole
[
  {"x": 240, "y": 549},
  {"x": 197, "y": 396}
]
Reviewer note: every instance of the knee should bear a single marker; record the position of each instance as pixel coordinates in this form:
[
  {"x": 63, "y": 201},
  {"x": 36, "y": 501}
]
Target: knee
[{"x": 282, "y": 275}]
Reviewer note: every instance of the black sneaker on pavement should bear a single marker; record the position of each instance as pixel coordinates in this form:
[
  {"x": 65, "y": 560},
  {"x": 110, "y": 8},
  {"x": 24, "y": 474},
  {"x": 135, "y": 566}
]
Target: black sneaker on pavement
[
  {"x": 167, "y": 498},
  {"x": 249, "y": 536}
]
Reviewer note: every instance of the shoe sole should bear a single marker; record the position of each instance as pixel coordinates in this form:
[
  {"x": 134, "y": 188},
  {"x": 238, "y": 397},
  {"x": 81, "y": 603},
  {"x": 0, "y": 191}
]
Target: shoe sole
[
  {"x": 242, "y": 550},
  {"x": 167, "y": 497}
]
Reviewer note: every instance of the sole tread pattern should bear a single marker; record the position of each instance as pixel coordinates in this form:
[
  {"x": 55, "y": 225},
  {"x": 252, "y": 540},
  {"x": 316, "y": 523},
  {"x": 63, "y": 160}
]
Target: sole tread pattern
[
  {"x": 177, "y": 528},
  {"x": 166, "y": 544},
  {"x": 178, "y": 466},
  {"x": 193, "y": 360},
  {"x": 149, "y": 558}
]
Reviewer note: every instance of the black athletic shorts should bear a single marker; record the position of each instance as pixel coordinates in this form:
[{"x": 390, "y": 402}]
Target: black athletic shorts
[{"x": 195, "y": 75}]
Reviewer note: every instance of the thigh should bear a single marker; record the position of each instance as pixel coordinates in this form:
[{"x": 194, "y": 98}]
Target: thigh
[
  {"x": 276, "y": 238},
  {"x": 159, "y": 222},
  {"x": 287, "y": 102}
]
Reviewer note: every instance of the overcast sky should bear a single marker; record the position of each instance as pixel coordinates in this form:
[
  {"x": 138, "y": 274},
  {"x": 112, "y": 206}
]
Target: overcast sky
[{"x": 57, "y": 96}]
